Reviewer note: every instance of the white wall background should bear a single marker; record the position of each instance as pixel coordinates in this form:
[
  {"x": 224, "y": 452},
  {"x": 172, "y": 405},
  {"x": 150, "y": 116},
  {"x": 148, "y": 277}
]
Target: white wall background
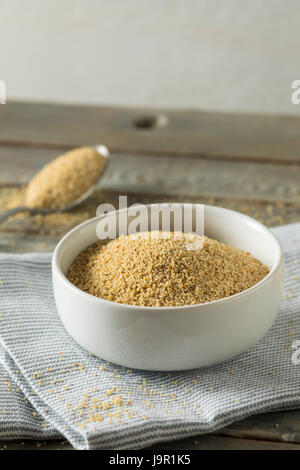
[{"x": 208, "y": 54}]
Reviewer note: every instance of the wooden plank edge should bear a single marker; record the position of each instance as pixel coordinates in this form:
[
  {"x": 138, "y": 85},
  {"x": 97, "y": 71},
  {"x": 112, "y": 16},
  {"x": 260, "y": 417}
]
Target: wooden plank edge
[{"x": 155, "y": 153}]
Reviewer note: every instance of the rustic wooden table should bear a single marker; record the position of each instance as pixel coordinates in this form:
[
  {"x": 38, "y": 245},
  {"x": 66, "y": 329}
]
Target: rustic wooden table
[{"x": 248, "y": 163}]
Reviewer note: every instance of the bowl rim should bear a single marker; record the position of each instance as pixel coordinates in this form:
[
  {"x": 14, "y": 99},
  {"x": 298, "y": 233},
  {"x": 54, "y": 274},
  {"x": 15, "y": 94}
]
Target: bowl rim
[{"x": 232, "y": 298}]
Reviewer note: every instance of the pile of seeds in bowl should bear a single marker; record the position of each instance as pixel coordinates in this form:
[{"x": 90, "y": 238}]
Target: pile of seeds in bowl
[{"x": 164, "y": 269}]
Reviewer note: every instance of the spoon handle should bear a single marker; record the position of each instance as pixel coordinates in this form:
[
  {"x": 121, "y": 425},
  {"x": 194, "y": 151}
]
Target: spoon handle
[{"x": 4, "y": 215}]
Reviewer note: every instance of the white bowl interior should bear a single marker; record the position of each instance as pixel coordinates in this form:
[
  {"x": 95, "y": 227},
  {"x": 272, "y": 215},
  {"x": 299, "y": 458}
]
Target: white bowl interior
[
  {"x": 230, "y": 227},
  {"x": 243, "y": 232}
]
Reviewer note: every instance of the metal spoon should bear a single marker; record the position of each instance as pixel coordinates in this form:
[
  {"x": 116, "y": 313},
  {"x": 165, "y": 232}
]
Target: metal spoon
[{"x": 44, "y": 211}]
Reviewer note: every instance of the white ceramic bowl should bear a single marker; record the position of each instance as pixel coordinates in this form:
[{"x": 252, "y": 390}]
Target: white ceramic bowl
[{"x": 173, "y": 338}]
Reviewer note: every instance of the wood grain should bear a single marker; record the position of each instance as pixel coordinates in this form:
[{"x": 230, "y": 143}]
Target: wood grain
[
  {"x": 158, "y": 175},
  {"x": 174, "y": 133},
  {"x": 207, "y": 442},
  {"x": 24, "y": 231},
  {"x": 210, "y": 442}
]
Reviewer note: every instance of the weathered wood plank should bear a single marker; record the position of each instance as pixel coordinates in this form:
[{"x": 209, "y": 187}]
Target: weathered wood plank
[
  {"x": 212, "y": 442},
  {"x": 26, "y": 243},
  {"x": 18, "y": 165},
  {"x": 162, "y": 176},
  {"x": 207, "y": 442},
  {"x": 24, "y": 231},
  {"x": 177, "y": 133},
  {"x": 35, "y": 445},
  {"x": 281, "y": 426}
]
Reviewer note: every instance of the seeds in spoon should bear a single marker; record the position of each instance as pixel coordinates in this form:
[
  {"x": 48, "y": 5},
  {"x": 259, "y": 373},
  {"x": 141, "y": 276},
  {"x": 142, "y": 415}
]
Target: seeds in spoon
[{"x": 65, "y": 179}]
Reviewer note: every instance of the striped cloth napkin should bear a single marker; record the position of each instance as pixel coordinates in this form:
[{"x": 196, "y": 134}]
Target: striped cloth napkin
[{"x": 51, "y": 387}]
